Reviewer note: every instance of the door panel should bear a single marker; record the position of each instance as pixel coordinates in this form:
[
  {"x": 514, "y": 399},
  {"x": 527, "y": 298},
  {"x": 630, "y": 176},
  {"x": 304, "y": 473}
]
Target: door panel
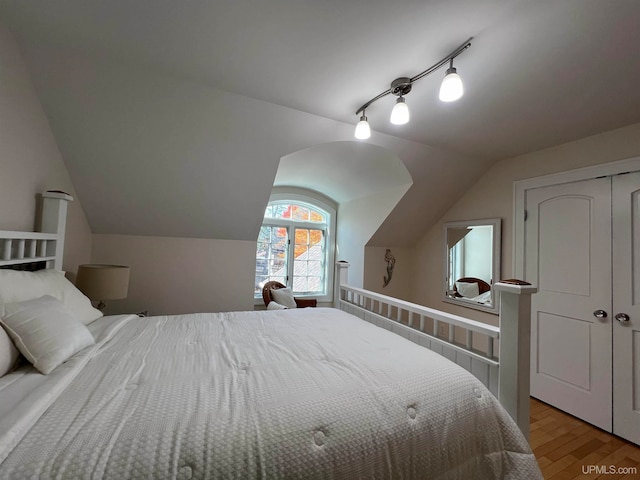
[
  {"x": 568, "y": 257},
  {"x": 569, "y": 247},
  {"x": 626, "y": 299},
  {"x": 564, "y": 349}
]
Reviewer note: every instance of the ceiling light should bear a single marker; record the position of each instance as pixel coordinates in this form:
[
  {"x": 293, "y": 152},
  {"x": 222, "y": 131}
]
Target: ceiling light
[
  {"x": 450, "y": 90},
  {"x": 363, "y": 131},
  {"x": 400, "y": 112}
]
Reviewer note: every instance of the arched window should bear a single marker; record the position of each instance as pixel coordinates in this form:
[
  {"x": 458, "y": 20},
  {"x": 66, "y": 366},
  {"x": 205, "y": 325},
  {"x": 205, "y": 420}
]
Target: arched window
[{"x": 295, "y": 246}]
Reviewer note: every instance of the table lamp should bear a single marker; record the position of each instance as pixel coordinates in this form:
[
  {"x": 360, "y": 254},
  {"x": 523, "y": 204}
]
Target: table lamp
[{"x": 103, "y": 282}]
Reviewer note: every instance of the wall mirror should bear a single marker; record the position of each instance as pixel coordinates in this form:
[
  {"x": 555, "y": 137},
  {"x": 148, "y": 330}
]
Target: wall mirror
[{"x": 472, "y": 263}]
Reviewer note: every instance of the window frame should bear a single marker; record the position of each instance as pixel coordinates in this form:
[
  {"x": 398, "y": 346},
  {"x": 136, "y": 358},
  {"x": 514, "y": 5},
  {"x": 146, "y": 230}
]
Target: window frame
[{"x": 315, "y": 202}]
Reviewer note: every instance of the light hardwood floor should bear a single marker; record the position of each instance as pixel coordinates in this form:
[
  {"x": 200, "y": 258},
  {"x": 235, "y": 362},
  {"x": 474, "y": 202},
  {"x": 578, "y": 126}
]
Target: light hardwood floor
[{"x": 568, "y": 448}]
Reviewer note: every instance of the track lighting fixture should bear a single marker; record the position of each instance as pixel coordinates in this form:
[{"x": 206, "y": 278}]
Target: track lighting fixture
[{"x": 450, "y": 90}]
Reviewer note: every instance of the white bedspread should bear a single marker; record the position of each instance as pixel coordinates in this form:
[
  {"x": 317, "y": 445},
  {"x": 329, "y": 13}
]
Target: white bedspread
[{"x": 313, "y": 393}]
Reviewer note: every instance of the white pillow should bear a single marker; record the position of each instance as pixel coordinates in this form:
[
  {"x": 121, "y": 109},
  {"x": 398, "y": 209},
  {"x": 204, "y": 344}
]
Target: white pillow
[
  {"x": 18, "y": 286},
  {"x": 284, "y": 296},
  {"x": 45, "y": 331},
  {"x": 468, "y": 290},
  {"x": 9, "y": 354},
  {"x": 275, "y": 306}
]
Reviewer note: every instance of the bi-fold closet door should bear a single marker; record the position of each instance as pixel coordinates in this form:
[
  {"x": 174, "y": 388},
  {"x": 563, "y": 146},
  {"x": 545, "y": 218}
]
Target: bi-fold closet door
[{"x": 582, "y": 250}]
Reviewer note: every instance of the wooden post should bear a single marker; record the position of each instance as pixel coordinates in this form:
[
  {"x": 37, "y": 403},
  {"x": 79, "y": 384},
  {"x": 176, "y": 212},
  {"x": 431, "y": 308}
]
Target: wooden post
[
  {"x": 342, "y": 278},
  {"x": 54, "y": 220},
  {"x": 515, "y": 349}
]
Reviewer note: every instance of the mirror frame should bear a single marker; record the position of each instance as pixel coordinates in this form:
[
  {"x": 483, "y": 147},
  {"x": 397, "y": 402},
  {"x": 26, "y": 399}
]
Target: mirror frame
[{"x": 496, "y": 223}]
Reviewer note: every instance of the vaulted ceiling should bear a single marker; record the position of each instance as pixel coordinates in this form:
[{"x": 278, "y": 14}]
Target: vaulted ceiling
[{"x": 175, "y": 115}]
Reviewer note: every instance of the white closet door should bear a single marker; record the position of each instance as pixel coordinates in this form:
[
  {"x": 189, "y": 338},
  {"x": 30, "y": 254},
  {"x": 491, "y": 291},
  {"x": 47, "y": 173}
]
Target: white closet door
[
  {"x": 626, "y": 301},
  {"x": 568, "y": 257}
]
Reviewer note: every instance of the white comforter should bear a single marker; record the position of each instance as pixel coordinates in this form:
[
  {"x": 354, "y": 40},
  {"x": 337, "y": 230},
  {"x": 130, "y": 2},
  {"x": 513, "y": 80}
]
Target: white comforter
[{"x": 313, "y": 393}]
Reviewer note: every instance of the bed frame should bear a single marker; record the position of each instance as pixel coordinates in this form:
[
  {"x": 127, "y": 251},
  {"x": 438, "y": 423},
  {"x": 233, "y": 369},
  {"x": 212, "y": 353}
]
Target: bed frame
[
  {"x": 44, "y": 246},
  {"x": 468, "y": 343}
]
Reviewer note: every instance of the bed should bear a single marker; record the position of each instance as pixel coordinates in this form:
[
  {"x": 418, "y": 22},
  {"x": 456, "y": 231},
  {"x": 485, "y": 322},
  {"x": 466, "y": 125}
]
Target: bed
[{"x": 305, "y": 393}]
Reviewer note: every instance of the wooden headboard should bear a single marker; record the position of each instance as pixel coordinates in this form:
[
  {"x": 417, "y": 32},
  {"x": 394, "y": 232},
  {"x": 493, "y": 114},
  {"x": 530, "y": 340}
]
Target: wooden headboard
[{"x": 44, "y": 248}]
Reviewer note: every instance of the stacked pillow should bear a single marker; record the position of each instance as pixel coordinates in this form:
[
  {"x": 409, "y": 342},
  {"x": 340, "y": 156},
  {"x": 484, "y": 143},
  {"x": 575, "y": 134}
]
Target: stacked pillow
[
  {"x": 9, "y": 354},
  {"x": 275, "y": 306},
  {"x": 284, "y": 297},
  {"x": 45, "y": 316}
]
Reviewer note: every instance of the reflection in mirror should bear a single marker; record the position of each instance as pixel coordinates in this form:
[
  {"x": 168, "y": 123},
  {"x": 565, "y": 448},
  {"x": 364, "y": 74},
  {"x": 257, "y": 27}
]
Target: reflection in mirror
[{"x": 472, "y": 262}]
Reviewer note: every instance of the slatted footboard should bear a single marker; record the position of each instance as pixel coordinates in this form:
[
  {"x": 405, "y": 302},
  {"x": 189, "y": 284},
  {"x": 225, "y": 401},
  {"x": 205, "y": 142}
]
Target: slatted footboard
[
  {"x": 430, "y": 328},
  {"x": 471, "y": 344}
]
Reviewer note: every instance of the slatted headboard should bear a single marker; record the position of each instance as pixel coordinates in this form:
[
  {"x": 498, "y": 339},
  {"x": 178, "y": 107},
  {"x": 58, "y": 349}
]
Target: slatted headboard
[{"x": 44, "y": 248}]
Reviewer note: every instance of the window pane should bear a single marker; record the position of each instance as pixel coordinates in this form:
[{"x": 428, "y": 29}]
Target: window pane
[
  {"x": 301, "y": 252},
  {"x": 314, "y": 268},
  {"x": 302, "y": 236},
  {"x": 315, "y": 253},
  {"x": 271, "y": 256},
  {"x": 278, "y": 268},
  {"x": 300, "y": 213},
  {"x": 300, "y": 284},
  {"x": 315, "y": 236},
  {"x": 265, "y": 234},
  {"x": 282, "y": 211},
  {"x": 316, "y": 216},
  {"x": 308, "y": 273},
  {"x": 314, "y": 284},
  {"x": 300, "y": 268}
]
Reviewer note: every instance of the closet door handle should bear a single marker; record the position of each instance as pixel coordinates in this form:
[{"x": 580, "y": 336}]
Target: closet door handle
[
  {"x": 622, "y": 317},
  {"x": 600, "y": 314}
]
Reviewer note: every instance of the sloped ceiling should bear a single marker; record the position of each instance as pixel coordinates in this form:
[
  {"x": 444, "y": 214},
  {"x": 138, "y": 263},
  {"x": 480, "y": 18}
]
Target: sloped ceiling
[
  {"x": 173, "y": 116},
  {"x": 343, "y": 171}
]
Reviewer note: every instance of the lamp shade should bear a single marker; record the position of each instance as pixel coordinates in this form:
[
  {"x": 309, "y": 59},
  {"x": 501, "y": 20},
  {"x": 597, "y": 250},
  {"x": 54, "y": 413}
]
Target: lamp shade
[
  {"x": 451, "y": 88},
  {"x": 103, "y": 282},
  {"x": 400, "y": 112},
  {"x": 363, "y": 131}
]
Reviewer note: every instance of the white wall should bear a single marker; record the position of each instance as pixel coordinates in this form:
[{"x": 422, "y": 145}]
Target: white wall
[
  {"x": 492, "y": 196},
  {"x": 180, "y": 275},
  {"x": 358, "y": 220},
  {"x": 30, "y": 161}
]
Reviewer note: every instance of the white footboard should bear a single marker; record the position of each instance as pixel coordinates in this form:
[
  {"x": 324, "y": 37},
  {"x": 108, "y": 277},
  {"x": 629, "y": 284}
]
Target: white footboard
[{"x": 469, "y": 343}]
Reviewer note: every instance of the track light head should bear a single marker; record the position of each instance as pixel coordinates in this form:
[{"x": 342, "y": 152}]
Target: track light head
[
  {"x": 363, "y": 131},
  {"x": 451, "y": 88},
  {"x": 400, "y": 113}
]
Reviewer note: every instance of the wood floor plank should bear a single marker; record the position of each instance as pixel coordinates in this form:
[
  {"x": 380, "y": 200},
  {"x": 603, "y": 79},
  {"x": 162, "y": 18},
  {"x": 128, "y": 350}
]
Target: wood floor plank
[
  {"x": 568, "y": 448},
  {"x": 587, "y": 448},
  {"x": 557, "y": 466}
]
